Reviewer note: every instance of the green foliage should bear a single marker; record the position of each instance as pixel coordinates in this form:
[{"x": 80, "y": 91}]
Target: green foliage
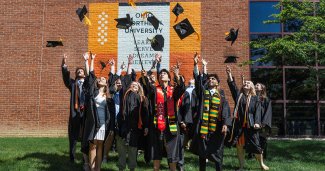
[{"x": 298, "y": 48}]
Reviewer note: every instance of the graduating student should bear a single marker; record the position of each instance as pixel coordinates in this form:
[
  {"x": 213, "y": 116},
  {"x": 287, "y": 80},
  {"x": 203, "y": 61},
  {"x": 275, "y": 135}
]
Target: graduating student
[
  {"x": 97, "y": 117},
  {"x": 77, "y": 105},
  {"x": 163, "y": 123},
  {"x": 132, "y": 125},
  {"x": 187, "y": 110},
  {"x": 113, "y": 101},
  {"x": 266, "y": 107},
  {"x": 214, "y": 118},
  {"x": 118, "y": 89},
  {"x": 247, "y": 121}
]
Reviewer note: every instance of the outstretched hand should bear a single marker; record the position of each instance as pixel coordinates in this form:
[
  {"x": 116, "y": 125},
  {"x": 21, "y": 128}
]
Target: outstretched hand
[
  {"x": 178, "y": 64},
  {"x": 175, "y": 70},
  {"x": 123, "y": 66},
  {"x": 204, "y": 62},
  {"x": 196, "y": 58},
  {"x": 158, "y": 57},
  {"x": 228, "y": 69},
  {"x": 64, "y": 59},
  {"x": 93, "y": 56},
  {"x": 111, "y": 62},
  {"x": 130, "y": 59},
  {"x": 86, "y": 56}
]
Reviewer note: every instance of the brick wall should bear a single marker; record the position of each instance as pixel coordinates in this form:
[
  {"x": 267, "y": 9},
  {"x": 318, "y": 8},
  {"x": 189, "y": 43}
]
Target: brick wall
[{"x": 33, "y": 98}]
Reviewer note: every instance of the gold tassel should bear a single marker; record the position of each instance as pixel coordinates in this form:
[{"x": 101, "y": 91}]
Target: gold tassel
[
  {"x": 87, "y": 21},
  {"x": 198, "y": 36},
  {"x": 132, "y": 3},
  {"x": 145, "y": 14},
  {"x": 176, "y": 19}
]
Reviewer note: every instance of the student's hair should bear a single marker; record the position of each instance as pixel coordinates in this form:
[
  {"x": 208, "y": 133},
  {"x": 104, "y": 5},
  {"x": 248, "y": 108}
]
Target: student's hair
[
  {"x": 78, "y": 69},
  {"x": 263, "y": 92},
  {"x": 252, "y": 91},
  {"x": 215, "y": 76}
]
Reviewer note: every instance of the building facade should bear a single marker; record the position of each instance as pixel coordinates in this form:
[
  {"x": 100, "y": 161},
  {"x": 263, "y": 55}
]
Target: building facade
[{"x": 35, "y": 102}]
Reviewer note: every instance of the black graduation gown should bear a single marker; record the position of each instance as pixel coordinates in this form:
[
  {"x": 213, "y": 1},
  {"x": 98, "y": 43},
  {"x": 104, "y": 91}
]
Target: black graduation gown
[
  {"x": 76, "y": 118},
  {"x": 266, "y": 112},
  {"x": 252, "y": 144},
  {"x": 92, "y": 124},
  {"x": 125, "y": 81},
  {"x": 172, "y": 141},
  {"x": 212, "y": 147},
  {"x": 129, "y": 130}
]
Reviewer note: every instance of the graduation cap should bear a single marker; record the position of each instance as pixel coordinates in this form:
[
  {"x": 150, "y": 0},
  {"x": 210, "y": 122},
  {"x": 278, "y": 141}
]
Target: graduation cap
[
  {"x": 231, "y": 59},
  {"x": 54, "y": 43},
  {"x": 81, "y": 12},
  {"x": 124, "y": 23},
  {"x": 103, "y": 65},
  {"x": 178, "y": 9},
  {"x": 152, "y": 19},
  {"x": 157, "y": 43},
  {"x": 232, "y": 35},
  {"x": 184, "y": 29}
]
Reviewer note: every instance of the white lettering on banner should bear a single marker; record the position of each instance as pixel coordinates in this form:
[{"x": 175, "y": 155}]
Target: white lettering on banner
[{"x": 143, "y": 30}]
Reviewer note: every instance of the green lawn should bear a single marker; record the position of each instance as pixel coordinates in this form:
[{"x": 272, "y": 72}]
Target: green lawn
[{"x": 52, "y": 154}]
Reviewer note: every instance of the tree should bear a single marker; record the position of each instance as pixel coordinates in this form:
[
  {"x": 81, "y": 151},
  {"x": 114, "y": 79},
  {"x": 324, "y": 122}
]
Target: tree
[{"x": 305, "y": 46}]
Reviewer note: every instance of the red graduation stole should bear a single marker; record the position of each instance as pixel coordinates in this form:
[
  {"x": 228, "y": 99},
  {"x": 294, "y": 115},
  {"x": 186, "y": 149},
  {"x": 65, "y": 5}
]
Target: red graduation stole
[
  {"x": 160, "y": 116},
  {"x": 76, "y": 95}
]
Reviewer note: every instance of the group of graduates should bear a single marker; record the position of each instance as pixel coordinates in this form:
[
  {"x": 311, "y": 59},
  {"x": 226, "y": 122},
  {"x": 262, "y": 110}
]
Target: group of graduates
[{"x": 160, "y": 115}]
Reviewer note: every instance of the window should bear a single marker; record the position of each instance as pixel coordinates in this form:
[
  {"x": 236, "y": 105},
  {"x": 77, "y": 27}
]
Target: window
[
  {"x": 322, "y": 119},
  {"x": 260, "y": 12},
  {"x": 277, "y": 119},
  {"x": 299, "y": 85},
  {"x": 260, "y": 52},
  {"x": 298, "y": 89},
  {"x": 292, "y": 25},
  {"x": 301, "y": 119},
  {"x": 272, "y": 79}
]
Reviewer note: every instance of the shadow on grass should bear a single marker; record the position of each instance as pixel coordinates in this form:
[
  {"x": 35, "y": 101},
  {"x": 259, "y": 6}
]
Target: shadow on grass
[
  {"x": 306, "y": 151},
  {"x": 50, "y": 162}
]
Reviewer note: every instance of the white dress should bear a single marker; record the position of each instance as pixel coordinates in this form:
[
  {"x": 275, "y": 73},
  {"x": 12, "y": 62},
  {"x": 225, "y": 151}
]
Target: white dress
[{"x": 100, "y": 101}]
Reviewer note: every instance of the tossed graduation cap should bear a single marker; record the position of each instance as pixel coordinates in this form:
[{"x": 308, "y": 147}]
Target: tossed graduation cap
[
  {"x": 157, "y": 43},
  {"x": 124, "y": 23},
  {"x": 177, "y": 10},
  {"x": 184, "y": 29},
  {"x": 152, "y": 19},
  {"x": 103, "y": 65},
  {"x": 232, "y": 35},
  {"x": 231, "y": 59},
  {"x": 54, "y": 43},
  {"x": 81, "y": 12}
]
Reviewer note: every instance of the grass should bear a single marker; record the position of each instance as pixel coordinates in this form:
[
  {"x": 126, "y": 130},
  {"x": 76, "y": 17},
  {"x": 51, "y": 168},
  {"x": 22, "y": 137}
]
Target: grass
[{"x": 49, "y": 154}]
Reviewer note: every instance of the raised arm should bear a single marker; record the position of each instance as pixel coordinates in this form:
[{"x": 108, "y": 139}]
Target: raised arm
[
  {"x": 232, "y": 85},
  {"x": 122, "y": 67},
  {"x": 180, "y": 85},
  {"x": 86, "y": 57},
  {"x": 66, "y": 73},
  {"x": 92, "y": 62},
  {"x": 196, "y": 67},
  {"x": 130, "y": 62},
  {"x": 111, "y": 62},
  {"x": 204, "y": 67}
]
